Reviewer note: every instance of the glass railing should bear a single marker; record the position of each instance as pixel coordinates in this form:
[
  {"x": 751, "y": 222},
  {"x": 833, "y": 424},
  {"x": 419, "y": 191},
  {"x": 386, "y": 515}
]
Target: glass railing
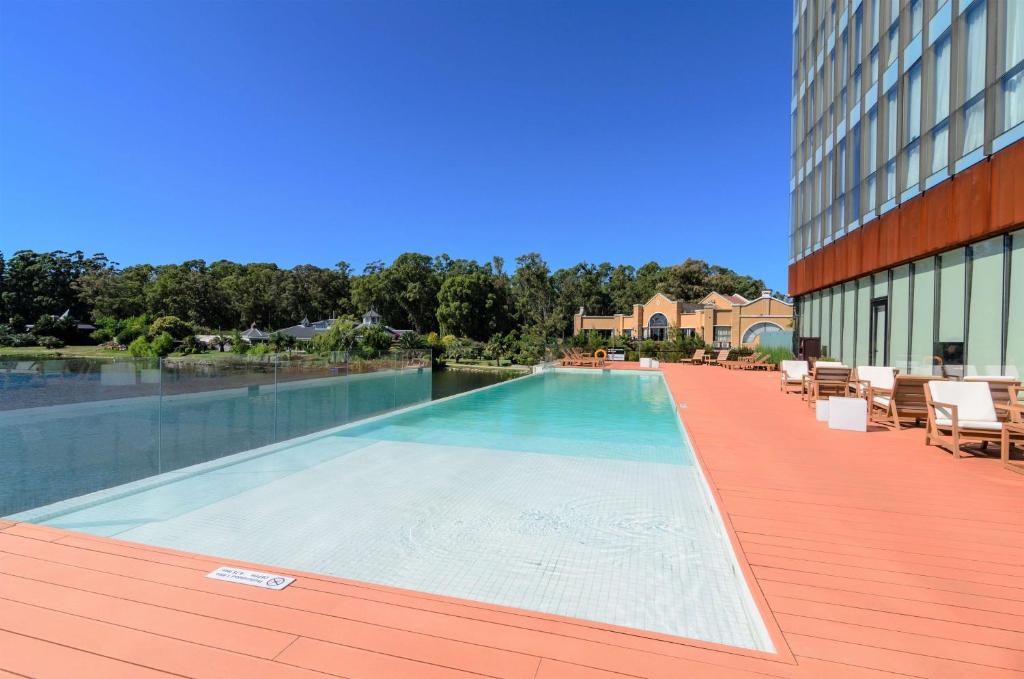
[{"x": 74, "y": 426}]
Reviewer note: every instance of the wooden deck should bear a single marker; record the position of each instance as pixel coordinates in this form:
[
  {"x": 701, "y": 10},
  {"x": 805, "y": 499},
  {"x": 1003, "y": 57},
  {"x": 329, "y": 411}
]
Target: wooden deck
[{"x": 871, "y": 554}]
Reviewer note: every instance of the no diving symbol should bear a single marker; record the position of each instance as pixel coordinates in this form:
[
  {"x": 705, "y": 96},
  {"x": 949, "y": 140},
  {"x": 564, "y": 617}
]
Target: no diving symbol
[{"x": 275, "y": 582}]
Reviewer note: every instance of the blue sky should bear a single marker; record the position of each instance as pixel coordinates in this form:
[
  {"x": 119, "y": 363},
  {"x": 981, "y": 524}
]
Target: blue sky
[{"x": 311, "y": 132}]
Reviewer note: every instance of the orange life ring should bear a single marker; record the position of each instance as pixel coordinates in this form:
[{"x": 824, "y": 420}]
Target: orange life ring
[{"x": 601, "y": 354}]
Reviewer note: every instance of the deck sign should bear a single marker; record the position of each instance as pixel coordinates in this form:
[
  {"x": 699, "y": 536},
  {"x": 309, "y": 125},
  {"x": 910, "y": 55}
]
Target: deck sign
[{"x": 251, "y": 578}]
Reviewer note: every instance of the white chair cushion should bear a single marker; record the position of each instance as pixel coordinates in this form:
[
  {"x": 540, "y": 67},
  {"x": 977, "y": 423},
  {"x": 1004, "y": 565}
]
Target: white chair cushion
[
  {"x": 795, "y": 370},
  {"x": 830, "y": 364},
  {"x": 990, "y": 378},
  {"x": 879, "y": 376},
  {"x": 882, "y": 401},
  {"x": 972, "y": 399},
  {"x": 970, "y": 424}
]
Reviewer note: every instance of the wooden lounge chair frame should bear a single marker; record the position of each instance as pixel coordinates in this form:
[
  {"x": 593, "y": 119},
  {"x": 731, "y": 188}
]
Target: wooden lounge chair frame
[
  {"x": 788, "y": 384},
  {"x": 907, "y": 401},
  {"x": 698, "y": 357},
  {"x": 958, "y": 436},
  {"x": 719, "y": 358},
  {"x": 829, "y": 380}
]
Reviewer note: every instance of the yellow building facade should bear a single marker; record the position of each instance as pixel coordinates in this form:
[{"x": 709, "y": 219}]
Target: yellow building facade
[{"x": 723, "y": 321}]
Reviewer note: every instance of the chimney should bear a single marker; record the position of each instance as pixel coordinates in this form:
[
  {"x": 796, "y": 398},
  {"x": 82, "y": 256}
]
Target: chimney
[
  {"x": 581, "y": 312},
  {"x": 766, "y": 293}
]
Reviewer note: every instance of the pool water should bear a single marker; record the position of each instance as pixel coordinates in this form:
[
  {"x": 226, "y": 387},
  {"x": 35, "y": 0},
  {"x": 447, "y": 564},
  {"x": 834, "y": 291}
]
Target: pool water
[{"x": 569, "y": 492}]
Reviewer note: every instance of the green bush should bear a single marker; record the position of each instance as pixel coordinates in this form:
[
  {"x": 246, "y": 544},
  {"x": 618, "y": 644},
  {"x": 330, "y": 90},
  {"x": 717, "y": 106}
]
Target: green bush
[
  {"x": 238, "y": 345},
  {"x": 190, "y": 345},
  {"x": 339, "y": 337},
  {"x": 172, "y": 325},
  {"x": 140, "y": 348},
  {"x": 50, "y": 342},
  {"x": 18, "y": 339},
  {"x": 162, "y": 344},
  {"x": 375, "y": 340}
]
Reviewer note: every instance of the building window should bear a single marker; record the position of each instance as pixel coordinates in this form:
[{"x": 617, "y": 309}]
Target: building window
[
  {"x": 759, "y": 329},
  {"x": 657, "y": 327},
  {"x": 891, "y": 118},
  {"x": 1012, "y": 65},
  {"x": 872, "y": 158},
  {"x": 913, "y": 127},
  {"x": 628, "y": 332},
  {"x": 916, "y": 17},
  {"x": 973, "y": 110},
  {"x": 985, "y": 334},
  {"x": 940, "y": 106},
  {"x": 723, "y": 336}
]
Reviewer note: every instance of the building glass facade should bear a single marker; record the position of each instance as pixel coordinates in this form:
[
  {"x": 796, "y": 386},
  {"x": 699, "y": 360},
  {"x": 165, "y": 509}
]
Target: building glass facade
[{"x": 891, "y": 99}]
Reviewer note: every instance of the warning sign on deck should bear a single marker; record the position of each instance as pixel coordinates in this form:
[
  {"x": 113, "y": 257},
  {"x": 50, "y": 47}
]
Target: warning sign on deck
[{"x": 251, "y": 578}]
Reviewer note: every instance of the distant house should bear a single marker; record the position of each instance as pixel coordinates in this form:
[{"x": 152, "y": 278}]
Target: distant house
[
  {"x": 724, "y": 321},
  {"x": 254, "y": 335},
  {"x": 82, "y": 327},
  {"x": 306, "y": 330}
]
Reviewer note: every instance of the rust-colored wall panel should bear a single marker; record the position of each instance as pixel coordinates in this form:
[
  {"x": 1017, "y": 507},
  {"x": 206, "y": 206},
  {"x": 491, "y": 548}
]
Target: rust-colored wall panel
[
  {"x": 869, "y": 245},
  {"x": 1008, "y": 187},
  {"x": 984, "y": 200},
  {"x": 972, "y": 202}
]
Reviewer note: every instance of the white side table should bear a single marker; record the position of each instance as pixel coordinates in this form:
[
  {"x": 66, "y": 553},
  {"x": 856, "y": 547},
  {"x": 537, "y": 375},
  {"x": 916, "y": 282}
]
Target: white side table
[{"x": 847, "y": 413}]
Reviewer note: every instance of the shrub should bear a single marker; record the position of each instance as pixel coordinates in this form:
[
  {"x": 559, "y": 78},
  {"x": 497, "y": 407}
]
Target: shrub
[
  {"x": 339, "y": 337},
  {"x": 102, "y": 335},
  {"x": 411, "y": 341},
  {"x": 18, "y": 339},
  {"x": 172, "y": 325},
  {"x": 238, "y": 345},
  {"x": 140, "y": 348},
  {"x": 162, "y": 344},
  {"x": 50, "y": 342},
  {"x": 375, "y": 340},
  {"x": 190, "y": 345}
]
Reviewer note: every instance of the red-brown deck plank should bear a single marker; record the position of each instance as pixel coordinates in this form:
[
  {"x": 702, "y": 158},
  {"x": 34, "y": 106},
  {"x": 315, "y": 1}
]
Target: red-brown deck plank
[{"x": 871, "y": 555}]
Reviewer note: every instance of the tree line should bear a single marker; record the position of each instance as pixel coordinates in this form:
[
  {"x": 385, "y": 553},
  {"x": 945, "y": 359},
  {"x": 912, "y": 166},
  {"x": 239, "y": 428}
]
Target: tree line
[{"x": 458, "y": 297}]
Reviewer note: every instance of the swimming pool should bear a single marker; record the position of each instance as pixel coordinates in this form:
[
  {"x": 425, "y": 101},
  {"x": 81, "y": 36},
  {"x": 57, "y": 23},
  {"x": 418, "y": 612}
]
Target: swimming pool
[{"x": 568, "y": 492}]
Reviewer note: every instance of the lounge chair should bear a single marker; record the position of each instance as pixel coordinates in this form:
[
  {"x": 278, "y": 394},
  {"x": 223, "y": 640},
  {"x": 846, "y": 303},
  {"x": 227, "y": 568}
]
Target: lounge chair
[
  {"x": 792, "y": 376},
  {"x": 905, "y": 402},
  {"x": 961, "y": 413},
  {"x": 1005, "y": 390},
  {"x": 760, "y": 362},
  {"x": 867, "y": 376},
  {"x": 829, "y": 380},
  {"x": 698, "y": 357},
  {"x": 720, "y": 358},
  {"x": 737, "y": 362},
  {"x": 806, "y": 388}
]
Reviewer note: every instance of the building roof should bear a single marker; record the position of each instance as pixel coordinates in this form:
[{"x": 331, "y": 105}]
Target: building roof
[{"x": 254, "y": 333}]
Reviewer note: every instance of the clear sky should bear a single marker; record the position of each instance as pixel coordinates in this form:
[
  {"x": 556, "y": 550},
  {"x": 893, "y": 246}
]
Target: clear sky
[{"x": 311, "y": 132}]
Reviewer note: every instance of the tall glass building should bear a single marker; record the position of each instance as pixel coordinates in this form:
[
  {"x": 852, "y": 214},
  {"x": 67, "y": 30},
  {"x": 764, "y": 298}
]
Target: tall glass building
[{"x": 907, "y": 182}]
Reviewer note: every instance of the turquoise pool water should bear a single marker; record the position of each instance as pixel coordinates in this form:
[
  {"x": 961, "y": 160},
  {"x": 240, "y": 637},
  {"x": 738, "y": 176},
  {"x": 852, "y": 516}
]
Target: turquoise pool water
[
  {"x": 571, "y": 493},
  {"x": 616, "y": 415}
]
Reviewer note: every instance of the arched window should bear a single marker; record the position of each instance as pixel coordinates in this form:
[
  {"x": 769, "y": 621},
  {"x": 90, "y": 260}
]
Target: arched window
[
  {"x": 657, "y": 327},
  {"x": 758, "y": 329}
]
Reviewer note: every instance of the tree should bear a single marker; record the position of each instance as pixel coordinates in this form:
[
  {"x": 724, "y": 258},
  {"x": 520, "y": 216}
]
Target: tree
[
  {"x": 173, "y": 326},
  {"x": 414, "y": 283},
  {"x": 534, "y": 294},
  {"x": 341, "y": 336},
  {"x": 375, "y": 340},
  {"x": 469, "y": 305}
]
